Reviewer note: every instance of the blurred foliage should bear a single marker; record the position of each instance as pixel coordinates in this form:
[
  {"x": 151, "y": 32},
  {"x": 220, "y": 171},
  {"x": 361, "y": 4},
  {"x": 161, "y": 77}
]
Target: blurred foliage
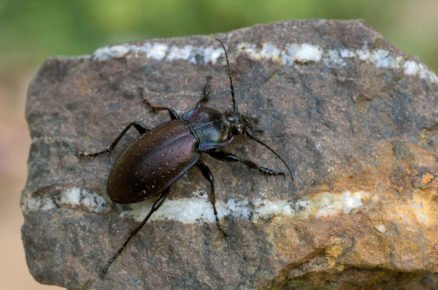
[{"x": 30, "y": 31}]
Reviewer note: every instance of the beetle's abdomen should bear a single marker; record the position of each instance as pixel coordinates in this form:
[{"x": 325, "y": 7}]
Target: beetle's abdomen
[{"x": 151, "y": 164}]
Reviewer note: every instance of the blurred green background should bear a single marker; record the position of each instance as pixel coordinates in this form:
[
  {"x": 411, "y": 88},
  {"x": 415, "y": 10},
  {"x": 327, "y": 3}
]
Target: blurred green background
[{"x": 32, "y": 30}]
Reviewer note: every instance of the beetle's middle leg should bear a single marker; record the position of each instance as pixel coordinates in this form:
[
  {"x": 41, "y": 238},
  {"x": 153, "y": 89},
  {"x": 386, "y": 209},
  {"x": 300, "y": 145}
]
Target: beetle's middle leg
[
  {"x": 172, "y": 113},
  {"x": 137, "y": 125},
  {"x": 154, "y": 208},
  {"x": 229, "y": 157},
  {"x": 212, "y": 196}
]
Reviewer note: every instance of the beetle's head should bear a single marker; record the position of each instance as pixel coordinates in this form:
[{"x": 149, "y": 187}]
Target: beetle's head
[{"x": 239, "y": 123}]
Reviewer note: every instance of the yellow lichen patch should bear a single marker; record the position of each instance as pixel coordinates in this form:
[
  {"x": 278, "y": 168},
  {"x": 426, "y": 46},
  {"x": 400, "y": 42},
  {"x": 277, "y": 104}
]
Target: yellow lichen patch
[
  {"x": 405, "y": 214},
  {"x": 421, "y": 209},
  {"x": 426, "y": 178},
  {"x": 331, "y": 253},
  {"x": 334, "y": 251},
  {"x": 424, "y": 207}
]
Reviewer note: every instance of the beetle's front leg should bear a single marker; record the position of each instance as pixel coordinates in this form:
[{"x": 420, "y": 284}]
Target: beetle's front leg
[
  {"x": 172, "y": 113},
  {"x": 137, "y": 125},
  {"x": 229, "y": 157},
  {"x": 205, "y": 93},
  {"x": 212, "y": 196}
]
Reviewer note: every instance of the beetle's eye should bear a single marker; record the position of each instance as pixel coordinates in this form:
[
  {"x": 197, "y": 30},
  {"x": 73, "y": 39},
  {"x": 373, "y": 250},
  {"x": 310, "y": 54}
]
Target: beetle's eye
[{"x": 237, "y": 130}]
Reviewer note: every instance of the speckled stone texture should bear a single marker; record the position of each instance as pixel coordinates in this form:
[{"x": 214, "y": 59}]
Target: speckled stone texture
[{"x": 354, "y": 117}]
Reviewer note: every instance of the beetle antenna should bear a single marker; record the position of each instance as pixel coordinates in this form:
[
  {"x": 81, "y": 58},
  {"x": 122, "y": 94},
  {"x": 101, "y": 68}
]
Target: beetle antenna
[
  {"x": 251, "y": 136},
  {"x": 229, "y": 75}
]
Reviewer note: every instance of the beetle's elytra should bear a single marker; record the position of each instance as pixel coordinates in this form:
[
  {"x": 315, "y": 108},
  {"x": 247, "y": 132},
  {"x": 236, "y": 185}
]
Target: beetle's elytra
[{"x": 149, "y": 166}]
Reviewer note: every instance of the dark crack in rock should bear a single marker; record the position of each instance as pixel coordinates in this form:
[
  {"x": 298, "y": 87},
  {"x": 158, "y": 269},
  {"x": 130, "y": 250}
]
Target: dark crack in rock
[{"x": 353, "y": 116}]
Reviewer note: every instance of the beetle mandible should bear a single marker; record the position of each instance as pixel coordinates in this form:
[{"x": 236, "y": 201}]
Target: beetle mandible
[{"x": 148, "y": 167}]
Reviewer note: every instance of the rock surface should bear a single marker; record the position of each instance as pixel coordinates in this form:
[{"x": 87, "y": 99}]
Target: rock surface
[{"x": 353, "y": 116}]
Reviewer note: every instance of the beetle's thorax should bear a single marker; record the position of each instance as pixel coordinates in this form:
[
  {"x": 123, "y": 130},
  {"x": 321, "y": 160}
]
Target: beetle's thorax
[{"x": 210, "y": 126}]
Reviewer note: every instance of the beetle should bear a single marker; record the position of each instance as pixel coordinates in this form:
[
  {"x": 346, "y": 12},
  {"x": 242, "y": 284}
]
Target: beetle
[{"x": 160, "y": 156}]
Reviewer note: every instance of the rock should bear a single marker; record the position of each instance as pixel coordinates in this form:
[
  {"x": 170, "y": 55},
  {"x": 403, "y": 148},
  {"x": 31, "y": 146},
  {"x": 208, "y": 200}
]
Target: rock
[{"x": 352, "y": 115}]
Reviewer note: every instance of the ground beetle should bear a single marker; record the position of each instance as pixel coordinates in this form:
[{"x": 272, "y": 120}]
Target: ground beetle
[{"x": 148, "y": 167}]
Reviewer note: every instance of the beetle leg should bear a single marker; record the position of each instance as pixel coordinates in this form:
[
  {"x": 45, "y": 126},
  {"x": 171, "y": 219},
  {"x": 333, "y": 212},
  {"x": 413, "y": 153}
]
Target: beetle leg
[
  {"x": 205, "y": 93},
  {"x": 154, "y": 208},
  {"x": 137, "y": 125},
  {"x": 229, "y": 157},
  {"x": 172, "y": 113},
  {"x": 257, "y": 130},
  {"x": 250, "y": 134},
  {"x": 212, "y": 196}
]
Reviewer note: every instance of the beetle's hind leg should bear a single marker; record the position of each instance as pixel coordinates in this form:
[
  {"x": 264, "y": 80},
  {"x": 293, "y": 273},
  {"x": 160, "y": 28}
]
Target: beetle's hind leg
[
  {"x": 140, "y": 128},
  {"x": 212, "y": 196},
  {"x": 172, "y": 113},
  {"x": 205, "y": 93},
  {"x": 154, "y": 208},
  {"x": 229, "y": 157}
]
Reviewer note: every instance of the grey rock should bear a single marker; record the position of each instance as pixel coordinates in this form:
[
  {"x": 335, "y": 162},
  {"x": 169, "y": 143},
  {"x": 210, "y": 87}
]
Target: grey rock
[{"x": 353, "y": 116}]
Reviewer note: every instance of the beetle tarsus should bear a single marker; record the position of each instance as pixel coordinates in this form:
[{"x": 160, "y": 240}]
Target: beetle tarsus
[
  {"x": 219, "y": 227},
  {"x": 250, "y": 134},
  {"x": 268, "y": 171},
  {"x": 260, "y": 131},
  {"x": 205, "y": 93},
  {"x": 90, "y": 155},
  {"x": 230, "y": 157},
  {"x": 137, "y": 125},
  {"x": 154, "y": 208},
  {"x": 212, "y": 196},
  {"x": 172, "y": 113}
]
